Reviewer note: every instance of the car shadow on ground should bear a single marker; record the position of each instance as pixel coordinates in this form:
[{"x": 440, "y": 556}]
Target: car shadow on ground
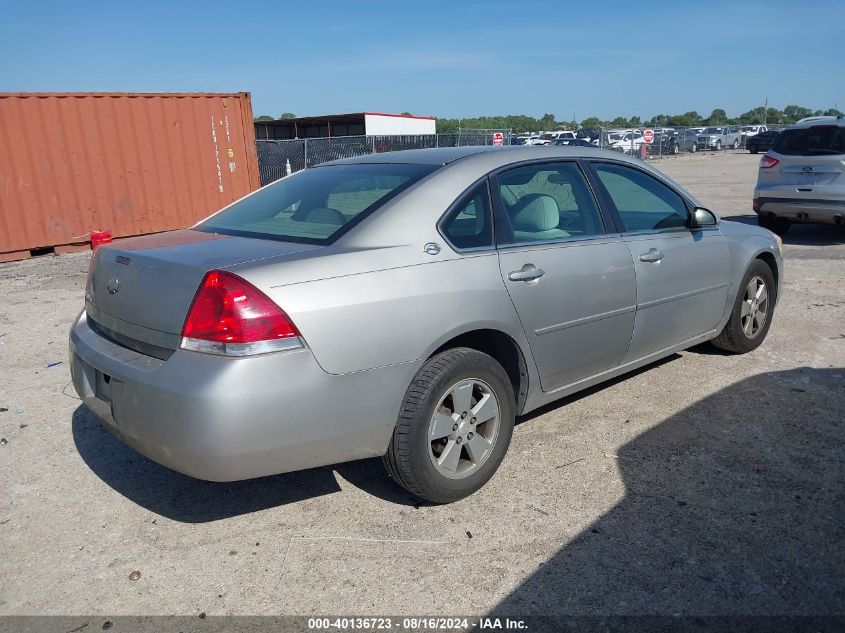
[
  {"x": 802, "y": 234},
  {"x": 733, "y": 506},
  {"x": 185, "y": 499}
]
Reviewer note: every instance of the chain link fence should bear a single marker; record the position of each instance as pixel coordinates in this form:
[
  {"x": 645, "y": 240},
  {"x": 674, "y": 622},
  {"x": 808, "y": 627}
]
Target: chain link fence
[
  {"x": 670, "y": 141},
  {"x": 277, "y": 158}
]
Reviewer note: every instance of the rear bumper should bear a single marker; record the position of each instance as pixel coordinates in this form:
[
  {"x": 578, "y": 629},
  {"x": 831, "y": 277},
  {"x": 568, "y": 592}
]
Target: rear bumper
[
  {"x": 227, "y": 419},
  {"x": 802, "y": 210}
]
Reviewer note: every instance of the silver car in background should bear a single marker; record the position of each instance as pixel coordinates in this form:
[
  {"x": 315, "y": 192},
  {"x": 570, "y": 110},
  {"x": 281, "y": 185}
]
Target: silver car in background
[
  {"x": 802, "y": 177},
  {"x": 407, "y": 305}
]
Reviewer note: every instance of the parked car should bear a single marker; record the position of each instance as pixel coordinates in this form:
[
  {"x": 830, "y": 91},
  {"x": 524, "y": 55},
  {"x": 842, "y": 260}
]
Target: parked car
[
  {"x": 573, "y": 142},
  {"x": 802, "y": 177},
  {"x": 665, "y": 142},
  {"x": 748, "y": 131},
  {"x": 717, "y": 137},
  {"x": 589, "y": 135},
  {"x": 761, "y": 142},
  {"x": 374, "y": 306},
  {"x": 687, "y": 140},
  {"x": 627, "y": 143}
]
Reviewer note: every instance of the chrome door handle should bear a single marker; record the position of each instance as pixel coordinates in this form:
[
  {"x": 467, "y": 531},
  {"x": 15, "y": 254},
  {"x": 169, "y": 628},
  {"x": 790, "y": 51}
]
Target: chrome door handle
[
  {"x": 653, "y": 255},
  {"x": 528, "y": 273}
]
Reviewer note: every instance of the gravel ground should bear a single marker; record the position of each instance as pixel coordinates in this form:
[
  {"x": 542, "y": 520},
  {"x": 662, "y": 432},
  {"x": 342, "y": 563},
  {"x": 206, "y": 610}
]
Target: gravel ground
[{"x": 704, "y": 484}]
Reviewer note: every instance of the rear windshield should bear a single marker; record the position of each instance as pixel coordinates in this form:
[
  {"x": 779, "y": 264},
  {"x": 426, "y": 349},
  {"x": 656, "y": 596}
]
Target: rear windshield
[
  {"x": 317, "y": 205},
  {"x": 811, "y": 141}
]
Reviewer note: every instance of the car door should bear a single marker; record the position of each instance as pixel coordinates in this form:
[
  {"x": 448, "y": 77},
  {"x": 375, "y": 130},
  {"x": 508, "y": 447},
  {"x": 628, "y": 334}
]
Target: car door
[
  {"x": 682, "y": 273},
  {"x": 572, "y": 282}
]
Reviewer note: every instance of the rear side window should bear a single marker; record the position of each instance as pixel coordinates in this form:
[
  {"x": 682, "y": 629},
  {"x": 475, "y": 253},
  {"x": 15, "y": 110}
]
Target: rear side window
[
  {"x": 813, "y": 141},
  {"x": 470, "y": 224},
  {"x": 643, "y": 203},
  {"x": 316, "y": 205}
]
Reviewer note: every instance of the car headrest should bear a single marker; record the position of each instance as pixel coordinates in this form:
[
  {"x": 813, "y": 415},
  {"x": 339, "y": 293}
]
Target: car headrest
[{"x": 535, "y": 213}]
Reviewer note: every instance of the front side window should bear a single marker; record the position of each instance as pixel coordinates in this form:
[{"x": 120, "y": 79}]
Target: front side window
[
  {"x": 316, "y": 205},
  {"x": 548, "y": 201},
  {"x": 643, "y": 203},
  {"x": 470, "y": 224}
]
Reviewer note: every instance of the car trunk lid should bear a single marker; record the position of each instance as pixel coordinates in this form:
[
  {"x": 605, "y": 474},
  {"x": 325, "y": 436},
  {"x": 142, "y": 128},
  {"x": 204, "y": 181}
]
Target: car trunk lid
[{"x": 139, "y": 290}]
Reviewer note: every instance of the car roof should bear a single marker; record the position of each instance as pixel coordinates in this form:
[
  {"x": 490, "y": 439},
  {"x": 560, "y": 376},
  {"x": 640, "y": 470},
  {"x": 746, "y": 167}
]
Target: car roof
[
  {"x": 493, "y": 156},
  {"x": 814, "y": 121}
]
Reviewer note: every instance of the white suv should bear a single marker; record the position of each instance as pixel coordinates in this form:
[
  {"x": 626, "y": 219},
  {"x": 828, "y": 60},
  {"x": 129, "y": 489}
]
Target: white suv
[{"x": 802, "y": 178}]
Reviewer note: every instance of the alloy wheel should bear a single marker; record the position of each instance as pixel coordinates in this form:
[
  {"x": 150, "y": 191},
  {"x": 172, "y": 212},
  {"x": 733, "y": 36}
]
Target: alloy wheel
[
  {"x": 464, "y": 428},
  {"x": 755, "y": 307}
]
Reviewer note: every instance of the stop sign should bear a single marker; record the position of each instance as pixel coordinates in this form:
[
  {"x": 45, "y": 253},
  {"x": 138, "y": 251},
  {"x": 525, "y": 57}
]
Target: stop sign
[
  {"x": 498, "y": 139},
  {"x": 648, "y": 136}
]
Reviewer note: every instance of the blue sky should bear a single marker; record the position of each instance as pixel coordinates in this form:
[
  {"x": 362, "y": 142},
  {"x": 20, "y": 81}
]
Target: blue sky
[{"x": 449, "y": 59}]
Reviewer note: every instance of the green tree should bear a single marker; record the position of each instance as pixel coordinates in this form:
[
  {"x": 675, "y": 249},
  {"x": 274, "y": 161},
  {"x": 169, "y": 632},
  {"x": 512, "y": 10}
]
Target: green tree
[
  {"x": 757, "y": 115},
  {"x": 592, "y": 123},
  {"x": 619, "y": 122},
  {"x": 717, "y": 117},
  {"x": 793, "y": 113},
  {"x": 263, "y": 117},
  {"x": 288, "y": 115},
  {"x": 833, "y": 112},
  {"x": 548, "y": 122}
]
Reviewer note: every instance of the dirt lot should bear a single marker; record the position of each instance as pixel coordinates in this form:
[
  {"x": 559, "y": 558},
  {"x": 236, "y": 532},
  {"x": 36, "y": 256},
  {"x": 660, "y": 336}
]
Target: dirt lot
[{"x": 704, "y": 484}]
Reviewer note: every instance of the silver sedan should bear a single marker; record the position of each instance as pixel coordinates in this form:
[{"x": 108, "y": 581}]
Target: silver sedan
[{"x": 407, "y": 305}]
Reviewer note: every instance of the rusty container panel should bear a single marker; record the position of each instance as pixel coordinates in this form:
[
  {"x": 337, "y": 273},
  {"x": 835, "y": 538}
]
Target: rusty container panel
[{"x": 126, "y": 163}]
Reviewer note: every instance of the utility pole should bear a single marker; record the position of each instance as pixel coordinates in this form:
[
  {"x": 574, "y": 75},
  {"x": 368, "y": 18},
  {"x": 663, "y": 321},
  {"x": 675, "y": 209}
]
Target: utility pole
[{"x": 766, "y": 110}]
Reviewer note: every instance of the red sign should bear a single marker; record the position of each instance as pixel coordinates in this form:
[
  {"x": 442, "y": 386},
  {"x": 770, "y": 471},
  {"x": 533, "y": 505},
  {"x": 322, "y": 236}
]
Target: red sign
[
  {"x": 498, "y": 139},
  {"x": 648, "y": 136}
]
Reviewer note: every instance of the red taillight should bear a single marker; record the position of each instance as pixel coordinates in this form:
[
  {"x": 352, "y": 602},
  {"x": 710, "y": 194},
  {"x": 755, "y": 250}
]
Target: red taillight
[
  {"x": 767, "y": 161},
  {"x": 755, "y": 205},
  {"x": 231, "y": 316}
]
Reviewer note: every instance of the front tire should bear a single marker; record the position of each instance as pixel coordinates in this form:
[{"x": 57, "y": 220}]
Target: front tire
[
  {"x": 751, "y": 315},
  {"x": 752, "y": 149},
  {"x": 454, "y": 426},
  {"x": 736, "y": 144},
  {"x": 694, "y": 148},
  {"x": 718, "y": 146}
]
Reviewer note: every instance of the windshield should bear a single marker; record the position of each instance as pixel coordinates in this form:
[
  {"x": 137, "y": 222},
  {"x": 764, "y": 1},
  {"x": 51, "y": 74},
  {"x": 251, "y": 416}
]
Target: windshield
[
  {"x": 713, "y": 130},
  {"x": 819, "y": 140},
  {"x": 317, "y": 205}
]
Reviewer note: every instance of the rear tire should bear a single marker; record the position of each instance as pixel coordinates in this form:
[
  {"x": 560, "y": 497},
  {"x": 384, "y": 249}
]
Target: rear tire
[
  {"x": 751, "y": 315},
  {"x": 778, "y": 226},
  {"x": 454, "y": 389},
  {"x": 694, "y": 148},
  {"x": 736, "y": 144}
]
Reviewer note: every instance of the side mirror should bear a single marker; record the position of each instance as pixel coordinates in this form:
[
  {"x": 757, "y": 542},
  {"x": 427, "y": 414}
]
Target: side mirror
[{"x": 703, "y": 217}]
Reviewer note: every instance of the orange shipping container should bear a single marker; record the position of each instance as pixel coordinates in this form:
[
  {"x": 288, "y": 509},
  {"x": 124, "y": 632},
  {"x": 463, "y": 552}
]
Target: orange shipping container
[{"x": 127, "y": 163}]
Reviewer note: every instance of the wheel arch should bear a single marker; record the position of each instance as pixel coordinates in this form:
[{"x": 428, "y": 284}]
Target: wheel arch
[
  {"x": 503, "y": 348},
  {"x": 772, "y": 263}
]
